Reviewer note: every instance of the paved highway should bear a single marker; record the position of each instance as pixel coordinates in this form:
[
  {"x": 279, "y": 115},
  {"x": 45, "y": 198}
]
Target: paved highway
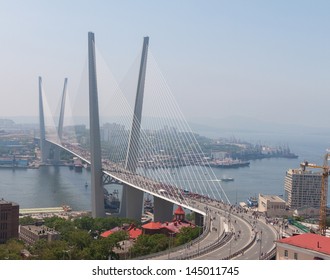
[
  {"x": 234, "y": 234},
  {"x": 230, "y": 231}
]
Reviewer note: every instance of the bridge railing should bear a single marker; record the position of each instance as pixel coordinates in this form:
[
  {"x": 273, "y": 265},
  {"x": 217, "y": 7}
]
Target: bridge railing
[
  {"x": 161, "y": 189},
  {"x": 222, "y": 239},
  {"x": 241, "y": 251}
]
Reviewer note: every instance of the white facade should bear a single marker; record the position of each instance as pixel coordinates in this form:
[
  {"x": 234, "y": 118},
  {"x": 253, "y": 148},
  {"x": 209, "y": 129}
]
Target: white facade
[{"x": 272, "y": 205}]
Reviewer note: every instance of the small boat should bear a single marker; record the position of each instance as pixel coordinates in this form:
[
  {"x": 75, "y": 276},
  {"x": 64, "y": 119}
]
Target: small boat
[
  {"x": 229, "y": 163},
  {"x": 227, "y": 179},
  {"x": 252, "y": 201},
  {"x": 78, "y": 166},
  {"x": 148, "y": 205}
]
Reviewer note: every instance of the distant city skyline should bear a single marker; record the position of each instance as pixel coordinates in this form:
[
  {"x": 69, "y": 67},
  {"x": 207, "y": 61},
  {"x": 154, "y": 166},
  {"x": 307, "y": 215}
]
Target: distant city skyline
[{"x": 268, "y": 61}]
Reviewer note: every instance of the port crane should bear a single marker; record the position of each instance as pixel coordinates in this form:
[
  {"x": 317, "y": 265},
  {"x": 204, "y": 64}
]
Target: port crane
[{"x": 324, "y": 190}]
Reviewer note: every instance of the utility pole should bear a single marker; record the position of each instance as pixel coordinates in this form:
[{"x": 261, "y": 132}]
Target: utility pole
[{"x": 260, "y": 240}]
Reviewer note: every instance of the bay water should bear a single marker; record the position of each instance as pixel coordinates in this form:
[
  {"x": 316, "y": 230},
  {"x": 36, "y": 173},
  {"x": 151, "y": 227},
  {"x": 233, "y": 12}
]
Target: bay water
[{"x": 51, "y": 186}]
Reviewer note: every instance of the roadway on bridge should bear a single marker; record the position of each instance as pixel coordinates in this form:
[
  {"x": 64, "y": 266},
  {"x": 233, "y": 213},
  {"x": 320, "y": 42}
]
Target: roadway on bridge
[
  {"x": 234, "y": 234},
  {"x": 246, "y": 235}
]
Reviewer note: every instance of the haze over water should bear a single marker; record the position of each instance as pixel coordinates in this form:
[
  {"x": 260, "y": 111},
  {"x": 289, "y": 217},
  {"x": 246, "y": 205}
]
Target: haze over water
[{"x": 55, "y": 186}]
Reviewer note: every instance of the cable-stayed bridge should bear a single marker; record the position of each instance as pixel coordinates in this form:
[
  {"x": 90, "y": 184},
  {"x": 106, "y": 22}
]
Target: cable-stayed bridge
[{"x": 166, "y": 162}]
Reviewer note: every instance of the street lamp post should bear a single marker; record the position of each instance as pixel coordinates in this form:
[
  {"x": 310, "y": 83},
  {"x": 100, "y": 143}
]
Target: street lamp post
[
  {"x": 260, "y": 240},
  {"x": 169, "y": 244},
  {"x": 199, "y": 240},
  {"x": 229, "y": 248},
  {"x": 219, "y": 226}
]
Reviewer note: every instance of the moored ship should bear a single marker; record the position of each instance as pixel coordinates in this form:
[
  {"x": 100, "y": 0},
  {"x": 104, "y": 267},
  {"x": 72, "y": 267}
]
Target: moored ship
[
  {"x": 252, "y": 201},
  {"x": 229, "y": 163},
  {"x": 111, "y": 201}
]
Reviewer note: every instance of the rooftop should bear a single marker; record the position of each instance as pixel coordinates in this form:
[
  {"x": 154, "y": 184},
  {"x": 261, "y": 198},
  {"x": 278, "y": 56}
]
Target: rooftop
[
  {"x": 134, "y": 232},
  {"x": 40, "y": 230},
  {"x": 152, "y": 225},
  {"x": 109, "y": 232},
  {"x": 179, "y": 211},
  {"x": 299, "y": 171},
  {"x": 2, "y": 201},
  {"x": 273, "y": 198},
  {"x": 309, "y": 241}
]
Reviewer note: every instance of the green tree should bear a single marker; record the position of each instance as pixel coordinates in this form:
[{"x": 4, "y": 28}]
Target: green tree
[
  {"x": 102, "y": 249},
  {"x": 79, "y": 239},
  {"x": 148, "y": 244},
  {"x": 11, "y": 250},
  {"x": 27, "y": 220},
  {"x": 186, "y": 235},
  {"x": 85, "y": 222},
  {"x": 65, "y": 227},
  {"x": 328, "y": 222},
  {"x": 55, "y": 250}
]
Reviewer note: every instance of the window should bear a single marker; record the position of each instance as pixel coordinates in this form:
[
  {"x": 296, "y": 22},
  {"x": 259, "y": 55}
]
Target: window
[
  {"x": 286, "y": 254},
  {"x": 4, "y": 216},
  {"x": 295, "y": 256}
]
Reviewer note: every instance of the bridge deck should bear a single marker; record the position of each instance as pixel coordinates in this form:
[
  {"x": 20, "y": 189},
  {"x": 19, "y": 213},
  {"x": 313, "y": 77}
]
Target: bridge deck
[{"x": 164, "y": 191}]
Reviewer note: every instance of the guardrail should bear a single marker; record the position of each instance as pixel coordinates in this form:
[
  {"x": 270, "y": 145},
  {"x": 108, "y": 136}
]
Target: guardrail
[
  {"x": 241, "y": 251},
  {"x": 184, "y": 246},
  {"x": 222, "y": 240},
  {"x": 270, "y": 255}
]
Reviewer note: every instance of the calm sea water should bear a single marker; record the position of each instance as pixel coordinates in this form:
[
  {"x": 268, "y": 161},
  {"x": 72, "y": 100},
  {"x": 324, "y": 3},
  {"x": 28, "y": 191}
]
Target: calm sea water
[{"x": 54, "y": 186}]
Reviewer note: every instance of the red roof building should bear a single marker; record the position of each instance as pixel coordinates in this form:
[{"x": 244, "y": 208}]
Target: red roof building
[
  {"x": 176, "y": 226},
  {"x": 152, "y": 228},
  {"x": 134, "y": 232},
  {"x": 168, "y": 228},
  {"x": 306, "y": 246},
  {"x": 109, "y": 232},
  {"x": 179, "y": 214}
]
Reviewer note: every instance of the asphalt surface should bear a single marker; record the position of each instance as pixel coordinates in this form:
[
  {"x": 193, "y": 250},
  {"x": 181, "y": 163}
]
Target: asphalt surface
[{"x": 234, "y": 233}]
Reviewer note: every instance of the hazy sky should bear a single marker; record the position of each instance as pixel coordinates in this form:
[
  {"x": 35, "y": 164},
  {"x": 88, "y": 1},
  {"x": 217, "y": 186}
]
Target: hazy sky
[{"x": 268, "y": 60}]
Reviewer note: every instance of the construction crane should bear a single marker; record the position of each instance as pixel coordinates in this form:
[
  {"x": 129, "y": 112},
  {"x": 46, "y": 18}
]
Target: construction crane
[{"x": 324, "y": 191}]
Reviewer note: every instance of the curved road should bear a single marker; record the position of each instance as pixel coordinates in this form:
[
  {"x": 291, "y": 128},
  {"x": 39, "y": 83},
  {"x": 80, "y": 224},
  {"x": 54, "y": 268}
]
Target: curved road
[{"x": 244, "y": 230}]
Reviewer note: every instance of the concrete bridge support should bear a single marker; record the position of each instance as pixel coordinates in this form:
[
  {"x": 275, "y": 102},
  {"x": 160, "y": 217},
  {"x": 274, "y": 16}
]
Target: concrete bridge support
[
  {"x": 134, "y": 198},
  {"x": 199, "y": 220},
  {"x": 57, "y": 151},
  {"x": 96, "y": 163},
  {"x": 163, "y": 210},
  {"x": 44, "y": 145},
  {"x": 132, "y": 206}
]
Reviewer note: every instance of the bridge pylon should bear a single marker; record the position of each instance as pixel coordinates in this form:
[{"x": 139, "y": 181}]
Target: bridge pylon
[
  {"x": 57, "y": 150},
  {"x": 44, "y": 145},
  {"x": 95, "y": 141},
  {"x": 132, "y": 199},
  {"x": 163, "y": 210}
]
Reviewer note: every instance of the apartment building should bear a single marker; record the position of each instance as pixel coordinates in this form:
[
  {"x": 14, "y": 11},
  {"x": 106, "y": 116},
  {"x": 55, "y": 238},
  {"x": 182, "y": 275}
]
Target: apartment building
[
  {"x": 9, "y": 215},
  {"x": 302, "y": 188}
]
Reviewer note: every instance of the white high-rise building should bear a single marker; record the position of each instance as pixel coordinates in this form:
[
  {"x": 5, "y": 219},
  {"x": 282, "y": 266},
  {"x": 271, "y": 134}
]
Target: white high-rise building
[{"x": 303, "y": 188}]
